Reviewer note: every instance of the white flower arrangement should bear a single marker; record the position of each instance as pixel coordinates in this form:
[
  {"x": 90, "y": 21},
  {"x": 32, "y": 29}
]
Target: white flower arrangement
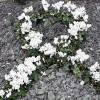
[
  {"x": 62, "y": 47},
  {"x": 79, "y": 57},
  {"x": 45, "y": 5},
  {"x": 48, "y": 49},
  {"x": 58, "y": 5},
  {"x": 95, "y": 71}
]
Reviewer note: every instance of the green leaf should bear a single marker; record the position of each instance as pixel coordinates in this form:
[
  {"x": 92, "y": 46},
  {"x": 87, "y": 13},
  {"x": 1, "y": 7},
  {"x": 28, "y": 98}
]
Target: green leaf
[
  {"x": 16, "y": 26},
  {"x": 66, "y": 65}
]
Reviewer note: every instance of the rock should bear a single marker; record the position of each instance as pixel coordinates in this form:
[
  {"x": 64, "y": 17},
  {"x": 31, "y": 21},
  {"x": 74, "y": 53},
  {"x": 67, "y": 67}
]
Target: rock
[
  {"x": 40, "y": 91},
  {"x": 51, "y": 95},
  {"x": 52, "y": 76},
  {"x": 41, "y": 97},
  {"x": 49, "y": 71},
  {"x": 85, "y": 98},
  {"x": 19, "y": 61},
  {"x": 62, "y": 98}
]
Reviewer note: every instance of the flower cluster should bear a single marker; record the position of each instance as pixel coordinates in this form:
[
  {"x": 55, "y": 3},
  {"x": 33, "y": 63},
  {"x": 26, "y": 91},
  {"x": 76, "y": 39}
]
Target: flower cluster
[
  {"x": 62, "y": 39},
  {"x": 34, "y": 38},
  {"x": 45, "y": 5},
  {"x": 27, "y": 25},
  {"x": 79, "y": 57},
  {"x": 29, "y": 9},
  {"x": 20, "y": 76},
  {"x": 76, "y": 27},
  {"x": 48, "y": 49},
  {"x": 62, "y": 46},
  {"x": 95, "y": 71},
  {"x": 70, "y": 6},
  {"x": 58, "y": 5},
  {"x": 2, "y": 93},
  {"x": 80, "y": 13},
  {"x": 61, "y": 54}
]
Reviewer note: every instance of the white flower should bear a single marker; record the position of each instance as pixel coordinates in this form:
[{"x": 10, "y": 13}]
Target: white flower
[
  {"x": 45, "y": 5},
  {"x": 26, "y": 26},
  {"x": 76, "y": 27},
  {"x": 64, "y": 37},
  {"x": 20, "y": 76},
  {"x": 26, "y": 46},
  {"x": 27, "y": 18},
  {"x": 43, "y": 73},
  {"x": 48, "y": 49},
  {"x": 69, "y": 6},
  {"x": 95, "y": 71},
  {"x": 58, "y": 5},
  {"x": 2, "y": 93},
  {"x": 79, "y": 57},
  {"x": 38, "y": 63},
  {"x": 85, "y": 18},
  {"x": 35, "y": 39},
  {"x": 29, "y": 9},
  {"x": 56, "y": 41},
  {"x": 82, "y": 83},
  {"x": 95, "y": 67},
  {"x": 79, "y": 12},
  {"x": 22, "y": 16},
  {"x": 61, "y": 54},
  {"x": 7, "y": 77},
  {"x": 8, "y": 95}
]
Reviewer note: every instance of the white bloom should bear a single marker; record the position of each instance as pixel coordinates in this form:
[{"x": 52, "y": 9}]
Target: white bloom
[
  {"x": 58, "y": 5},
  {"x": 82, "y": 83},
  {"x": 64, "y": 37},
  {"x": 61, "y": 54},
  {"x": 2, "y": 93},
  {"x": 45, "y": 5},
  {"x": 8, "y": 95},
  {"x": 27, "y": 18},
  {"x": 26, "y": 26},
  {"x": 29, "y": 9},
  {"x": 26, "y": 46},
  {"x": 22, "y": 16},
  {"x": 56, "y": 41},
  {"x": 95, "y": 71},
  {"x": 79, "y": 12},
  {"x": 76, "y": 27},
  {"x": 85, "y": 18},
  {"x": 38, "y": 63},
  {"x": 35, "y": 39},
  {"x": 7, "y": 77},
  {"x": 79, "y": 57},
  {"x": 43, "y": 73},
  {"x": 95, "y": 67},
  {"x": 69, "y": 6},
  {"x": 48, "y": 49}
]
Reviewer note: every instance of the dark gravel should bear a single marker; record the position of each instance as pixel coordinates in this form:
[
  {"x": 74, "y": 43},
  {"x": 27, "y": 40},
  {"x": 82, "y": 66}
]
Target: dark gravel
[{"x": 57, "y": 85}]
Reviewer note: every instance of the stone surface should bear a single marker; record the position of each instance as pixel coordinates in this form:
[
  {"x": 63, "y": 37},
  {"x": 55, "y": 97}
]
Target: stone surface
[
  {"x": 64, "y": 85},
  {"x": 51, "y": 95}
]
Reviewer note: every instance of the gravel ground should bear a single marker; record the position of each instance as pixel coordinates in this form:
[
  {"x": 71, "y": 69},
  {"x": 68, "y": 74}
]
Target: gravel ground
[{"x": 57, "y": 84}]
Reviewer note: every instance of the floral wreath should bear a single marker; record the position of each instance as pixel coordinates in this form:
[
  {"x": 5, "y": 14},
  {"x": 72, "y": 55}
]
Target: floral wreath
[{"x": 64, "y": 51}]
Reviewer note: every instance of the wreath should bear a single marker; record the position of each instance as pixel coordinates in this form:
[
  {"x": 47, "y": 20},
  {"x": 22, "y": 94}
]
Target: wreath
[{"x": 62, "y": 50}]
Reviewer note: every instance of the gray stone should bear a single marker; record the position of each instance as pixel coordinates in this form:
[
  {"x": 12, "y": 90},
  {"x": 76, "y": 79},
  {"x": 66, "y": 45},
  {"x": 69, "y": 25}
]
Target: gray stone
[
  {"x": 51, "y": 76},
  {"x": 19, "y": 61},
  {"x": 40, "y": 96},
  {"x": 49, "y": 71},
  {"x": 62, "y": 98},
  {"x": 40, "y": 91},
  {"x": 51, "y": 95}
]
